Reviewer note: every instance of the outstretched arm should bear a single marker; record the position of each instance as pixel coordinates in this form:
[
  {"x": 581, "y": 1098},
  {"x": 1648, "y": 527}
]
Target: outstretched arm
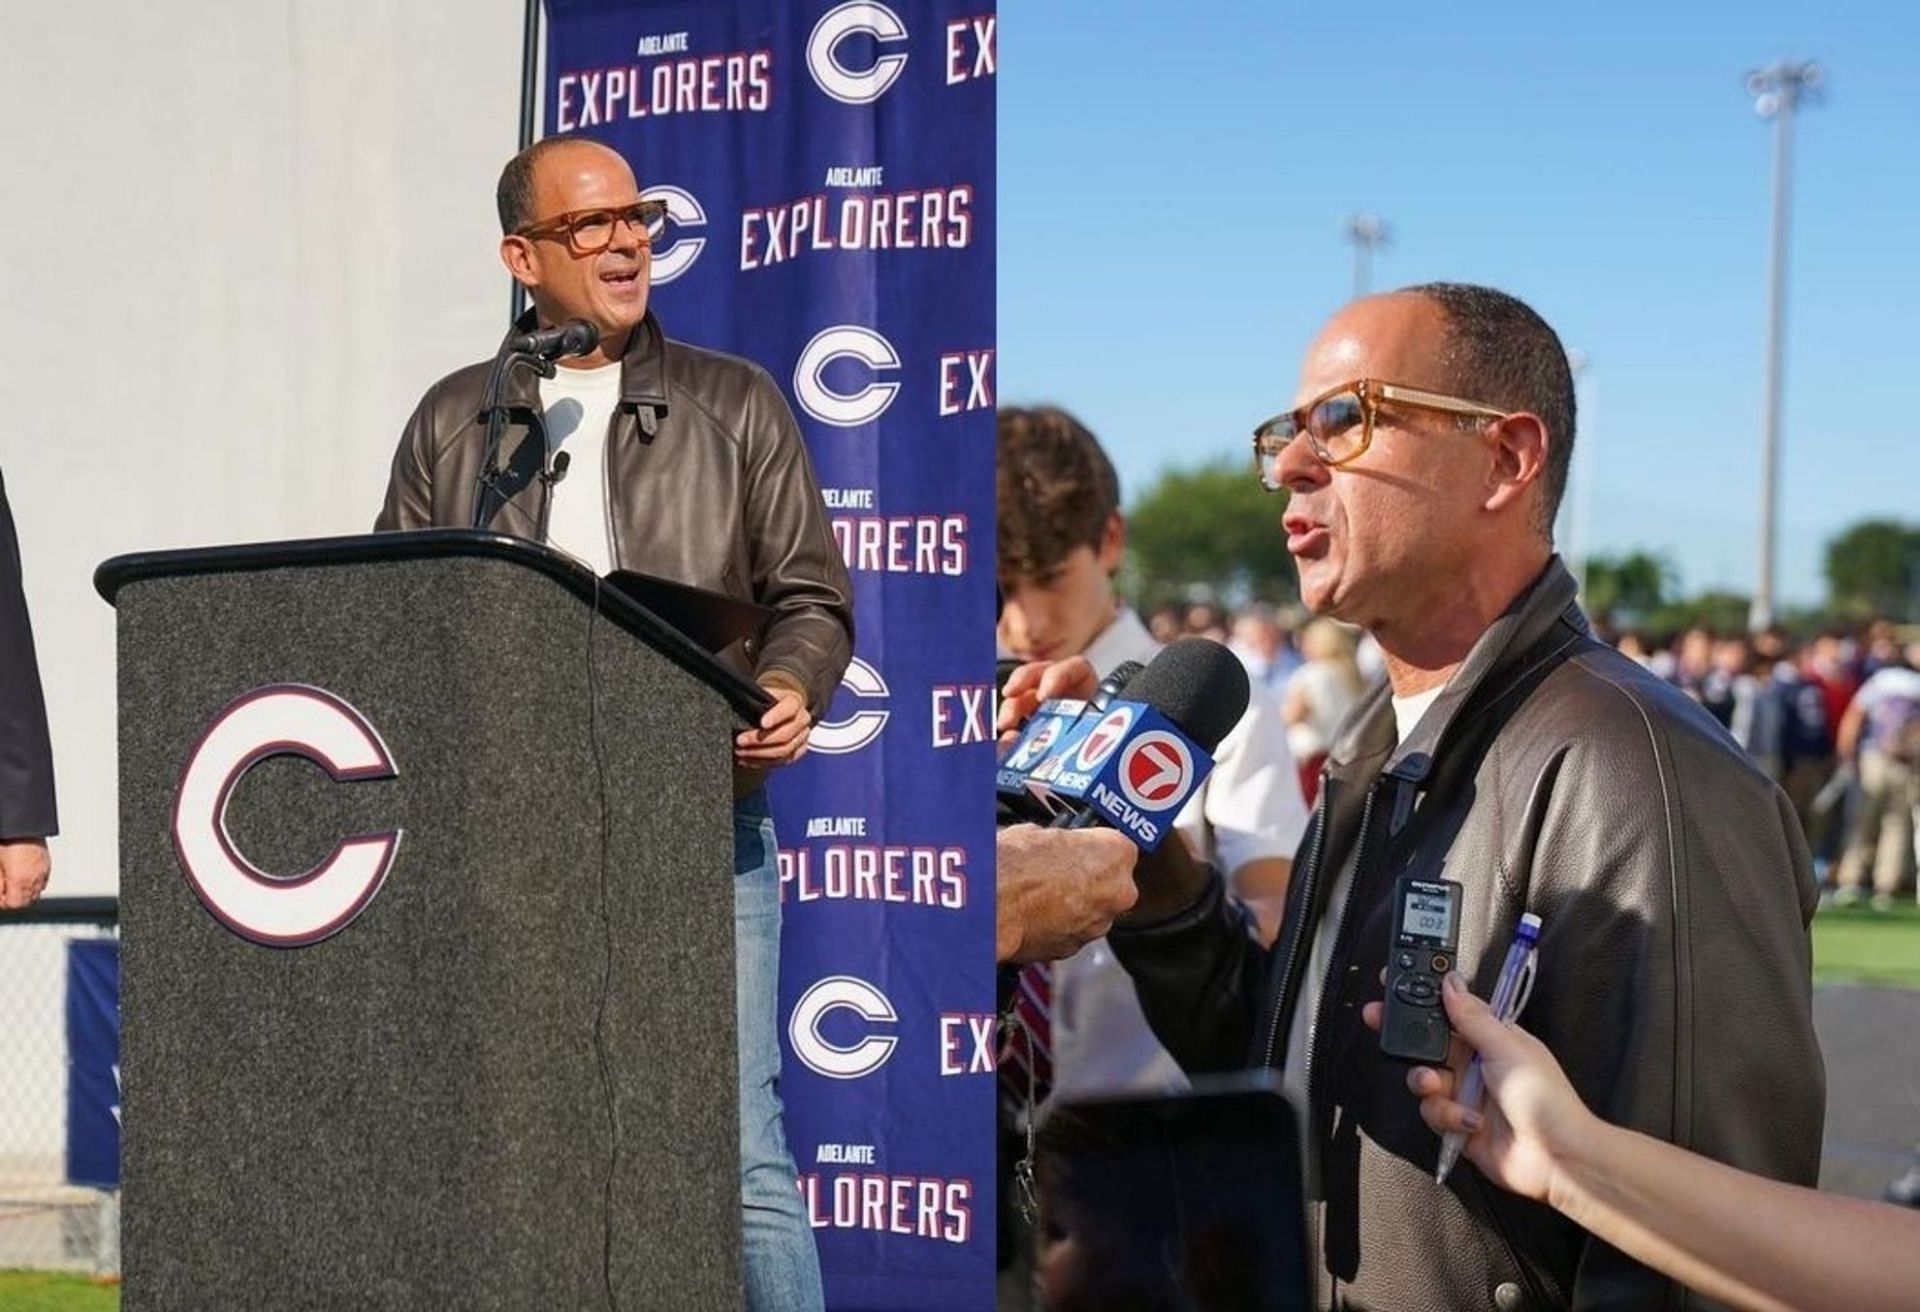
[{"x": 1739, "y": 1238}]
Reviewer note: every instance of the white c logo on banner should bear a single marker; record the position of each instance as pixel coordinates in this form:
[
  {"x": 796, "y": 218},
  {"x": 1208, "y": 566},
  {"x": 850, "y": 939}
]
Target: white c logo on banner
[
  {"x": 669, "y": 262},
  {"x": 823, "y": 1058},
  {"x": 845, "y": 409},
  {"x": 280, "y": 720},
  {"x": 836, "y": 25},
  {"x": 839, "y": 737}
]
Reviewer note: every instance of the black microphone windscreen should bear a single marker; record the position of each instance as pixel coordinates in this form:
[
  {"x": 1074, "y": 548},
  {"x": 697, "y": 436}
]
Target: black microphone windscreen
[
  {"x": 578, "y": 337},
  {"x": 1199, "y": 685}
]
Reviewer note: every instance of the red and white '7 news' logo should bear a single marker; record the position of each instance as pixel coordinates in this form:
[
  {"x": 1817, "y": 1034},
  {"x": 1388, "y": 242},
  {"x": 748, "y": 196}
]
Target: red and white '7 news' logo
[
  {"x": 283, "y": 719},
  {"x": 1156, "y": 770},
  {"x": 1100, "y": 741}
]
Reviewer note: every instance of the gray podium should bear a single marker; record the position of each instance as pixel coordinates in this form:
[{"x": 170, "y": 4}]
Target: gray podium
[{"x": 427, "y": 940}]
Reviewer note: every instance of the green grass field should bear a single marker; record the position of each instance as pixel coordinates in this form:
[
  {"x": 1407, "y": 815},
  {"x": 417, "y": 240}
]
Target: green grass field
[
  {"x": 40, "y": 1291},
  {"x": 1858, "y": 946}
]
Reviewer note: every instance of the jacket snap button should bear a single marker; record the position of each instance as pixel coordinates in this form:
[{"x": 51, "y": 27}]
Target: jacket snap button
[{"x": 1508, "y": 1298}]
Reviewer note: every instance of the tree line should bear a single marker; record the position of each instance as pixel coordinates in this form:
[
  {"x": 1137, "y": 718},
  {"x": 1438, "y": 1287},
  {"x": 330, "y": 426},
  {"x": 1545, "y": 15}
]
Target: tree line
[{"x": 1210, "y": 531}]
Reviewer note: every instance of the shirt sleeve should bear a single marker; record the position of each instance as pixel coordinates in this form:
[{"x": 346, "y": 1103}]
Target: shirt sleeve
[{"x": 796, "y": 564}]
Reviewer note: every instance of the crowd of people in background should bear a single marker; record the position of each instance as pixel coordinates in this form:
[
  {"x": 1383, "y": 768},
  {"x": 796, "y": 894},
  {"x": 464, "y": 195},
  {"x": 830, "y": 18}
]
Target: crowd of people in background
[{"x": 1833, "y": 717}]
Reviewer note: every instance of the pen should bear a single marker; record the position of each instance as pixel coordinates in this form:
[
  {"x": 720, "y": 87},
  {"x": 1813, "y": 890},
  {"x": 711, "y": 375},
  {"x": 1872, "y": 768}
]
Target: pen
[{"x": 1509, "y": 996}]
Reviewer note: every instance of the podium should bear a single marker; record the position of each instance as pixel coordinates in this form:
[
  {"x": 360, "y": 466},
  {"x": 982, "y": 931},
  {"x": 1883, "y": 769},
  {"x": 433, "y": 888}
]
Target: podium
[{"x": 427, "y": 937}]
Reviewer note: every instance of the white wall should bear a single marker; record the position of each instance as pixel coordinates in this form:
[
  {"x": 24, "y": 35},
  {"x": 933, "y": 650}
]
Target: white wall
[{"x": 238, "y": 238}]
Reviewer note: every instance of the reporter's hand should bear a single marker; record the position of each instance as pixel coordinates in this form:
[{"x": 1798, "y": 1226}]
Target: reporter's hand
[
  {"x": 1530, "y": 1119},
  {"x": 1040, "y": 681},
  {"x": 1057, "y": 890},
  {"x": 781, "y": 736},
  {"x": 25, "y": 865}
]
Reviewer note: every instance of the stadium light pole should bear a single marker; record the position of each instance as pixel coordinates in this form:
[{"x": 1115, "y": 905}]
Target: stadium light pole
[
  {"x": 1778, "y": 91},
  {"x": 1367, "y": 232}
]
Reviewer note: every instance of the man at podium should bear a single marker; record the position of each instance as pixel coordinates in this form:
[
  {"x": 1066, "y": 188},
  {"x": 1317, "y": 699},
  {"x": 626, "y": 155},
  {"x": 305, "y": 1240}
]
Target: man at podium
[{"x": 646, "y": 454}]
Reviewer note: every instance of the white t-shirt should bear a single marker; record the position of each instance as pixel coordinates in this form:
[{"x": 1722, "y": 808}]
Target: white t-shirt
[
  {"x": 1293, "y": 1077},
  {"x": 579, "y": 405},
  {"x": 1249, "y": 807}
]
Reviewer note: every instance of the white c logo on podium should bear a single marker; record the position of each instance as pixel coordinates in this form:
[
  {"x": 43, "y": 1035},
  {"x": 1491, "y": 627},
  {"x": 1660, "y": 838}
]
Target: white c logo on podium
[
  {"x": 834, "y": 993},
  {"x": 846, "y": 85},
  {"x": 285, "y": 719}
]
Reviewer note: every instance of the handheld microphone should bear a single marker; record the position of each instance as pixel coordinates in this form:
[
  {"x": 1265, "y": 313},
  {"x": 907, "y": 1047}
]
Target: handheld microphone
[
  {"x": 574, "y": 337},
  {"x": 1137, "y": 765},
  {"x": 1110, "y": 687},
  {"x": 1048, "y": 725}
]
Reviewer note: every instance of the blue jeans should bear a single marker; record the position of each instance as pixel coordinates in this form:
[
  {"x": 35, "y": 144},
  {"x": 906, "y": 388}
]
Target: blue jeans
[{"x": 782, "y": 1265}]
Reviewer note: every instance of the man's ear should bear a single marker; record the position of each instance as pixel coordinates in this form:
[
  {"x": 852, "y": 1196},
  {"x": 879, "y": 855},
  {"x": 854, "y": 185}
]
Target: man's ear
[
  {"x": 1113, "y": 542},
  {"x": 517, "y": 254},
  {"x": 1520, "y": 447}
]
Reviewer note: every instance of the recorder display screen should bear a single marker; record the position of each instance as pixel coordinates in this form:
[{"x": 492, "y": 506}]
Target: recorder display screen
[{"x": 1428, "y": 915}]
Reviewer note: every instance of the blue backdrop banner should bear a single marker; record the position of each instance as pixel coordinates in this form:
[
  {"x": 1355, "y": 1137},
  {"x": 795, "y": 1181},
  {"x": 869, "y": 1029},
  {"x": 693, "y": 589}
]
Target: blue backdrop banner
[
  {"x": 828, "y": 171},
  {"x": 93, "y": 1062}
]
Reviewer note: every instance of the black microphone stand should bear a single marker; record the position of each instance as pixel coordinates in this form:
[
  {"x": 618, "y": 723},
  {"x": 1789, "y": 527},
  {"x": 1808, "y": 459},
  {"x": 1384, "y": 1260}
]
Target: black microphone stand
[
  {"x": 556, "y": 471},
  {"x": 487, "y": 482}
]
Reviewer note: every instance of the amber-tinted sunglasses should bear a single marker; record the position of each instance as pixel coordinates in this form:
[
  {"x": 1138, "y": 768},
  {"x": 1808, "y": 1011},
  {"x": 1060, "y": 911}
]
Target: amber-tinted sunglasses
[
  {"x": 588, "y": 232},
  {"x": 1339, "y": 423}
]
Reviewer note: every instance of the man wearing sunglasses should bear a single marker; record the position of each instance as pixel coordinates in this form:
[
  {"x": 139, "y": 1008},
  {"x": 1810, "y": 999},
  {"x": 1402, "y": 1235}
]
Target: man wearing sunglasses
[
  {"x": 1422, "y": 462},
  {"x": 683, "y": 463}
]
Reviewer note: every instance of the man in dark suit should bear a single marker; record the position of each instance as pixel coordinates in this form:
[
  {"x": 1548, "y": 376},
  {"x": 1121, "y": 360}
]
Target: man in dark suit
[{"x": 27, "y": 815}]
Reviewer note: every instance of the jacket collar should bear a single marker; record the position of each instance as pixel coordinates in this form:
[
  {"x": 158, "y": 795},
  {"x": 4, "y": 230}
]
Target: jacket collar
[
  {"x": 643, "y": 369},
  {"x": 1502, "y": 657}
]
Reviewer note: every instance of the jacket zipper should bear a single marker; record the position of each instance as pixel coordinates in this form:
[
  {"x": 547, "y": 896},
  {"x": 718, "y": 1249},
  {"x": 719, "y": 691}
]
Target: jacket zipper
[
  {"x": 1311, "y": 886},
  {"x": 1346, "y": 911},
  {"x": 606, "y": 489}
]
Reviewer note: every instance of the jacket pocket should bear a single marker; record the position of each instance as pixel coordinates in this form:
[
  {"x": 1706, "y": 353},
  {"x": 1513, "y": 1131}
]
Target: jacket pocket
[{"x": 1495, "y": 1225}]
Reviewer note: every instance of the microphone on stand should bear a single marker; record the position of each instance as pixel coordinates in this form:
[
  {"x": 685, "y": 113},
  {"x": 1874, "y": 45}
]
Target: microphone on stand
[
  {"x": 538, "y": 349},
  {"x": 574, "y": 337},
  {"x": 550, "y": 478}
]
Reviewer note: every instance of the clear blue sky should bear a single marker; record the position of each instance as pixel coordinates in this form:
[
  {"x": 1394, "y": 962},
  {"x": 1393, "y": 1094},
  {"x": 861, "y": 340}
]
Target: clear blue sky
[{"x": 1174, "y": 178}]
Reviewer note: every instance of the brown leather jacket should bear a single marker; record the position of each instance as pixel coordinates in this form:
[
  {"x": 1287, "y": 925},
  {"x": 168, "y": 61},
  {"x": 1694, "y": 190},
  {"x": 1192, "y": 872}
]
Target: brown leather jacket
[
  {"x": 1555, "y": 776},
  {"x": 708, "y": 483}
]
